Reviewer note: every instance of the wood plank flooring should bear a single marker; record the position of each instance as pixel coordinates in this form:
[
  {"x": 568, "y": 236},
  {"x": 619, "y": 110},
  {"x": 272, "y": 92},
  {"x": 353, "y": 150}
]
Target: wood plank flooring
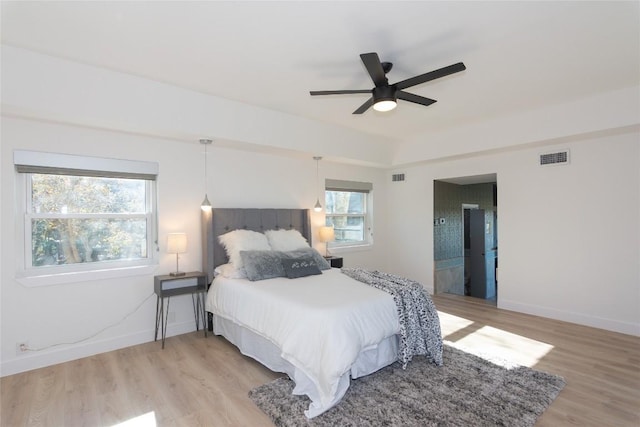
[{"x": 197, "y": 381}]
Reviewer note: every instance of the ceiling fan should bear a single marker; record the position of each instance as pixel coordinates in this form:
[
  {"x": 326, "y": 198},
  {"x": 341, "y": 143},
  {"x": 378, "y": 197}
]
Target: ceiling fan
[{"x": 384, "y": 96}]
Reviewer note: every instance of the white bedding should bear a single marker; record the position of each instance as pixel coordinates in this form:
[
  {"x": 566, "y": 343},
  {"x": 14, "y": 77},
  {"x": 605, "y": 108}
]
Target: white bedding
[{"x": 321, "y": 324}]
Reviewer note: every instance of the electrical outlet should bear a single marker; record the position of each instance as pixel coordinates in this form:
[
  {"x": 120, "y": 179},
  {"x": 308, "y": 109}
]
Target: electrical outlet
[{"x": 22, "y": 347}]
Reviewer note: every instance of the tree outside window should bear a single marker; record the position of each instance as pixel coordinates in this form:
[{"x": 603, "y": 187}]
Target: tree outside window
[
  {"x": 87, "y": 219},
  {"x": 346, "y": 211}
]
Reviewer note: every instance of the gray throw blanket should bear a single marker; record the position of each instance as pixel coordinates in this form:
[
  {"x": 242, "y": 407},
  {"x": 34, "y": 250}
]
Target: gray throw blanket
[{"x": 419, "y": 322}]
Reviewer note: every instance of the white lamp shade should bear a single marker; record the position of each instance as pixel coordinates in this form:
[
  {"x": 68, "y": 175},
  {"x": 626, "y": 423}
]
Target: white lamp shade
[
  {"x": 327, "y": 234},
  {"x": 176, "y": 243}
]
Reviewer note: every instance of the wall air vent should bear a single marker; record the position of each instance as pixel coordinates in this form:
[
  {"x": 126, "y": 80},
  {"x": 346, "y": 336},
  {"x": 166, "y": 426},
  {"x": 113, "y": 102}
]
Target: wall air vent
[
  {"x": 397, "y": 177},
  {"x": 556, "y": 158}
]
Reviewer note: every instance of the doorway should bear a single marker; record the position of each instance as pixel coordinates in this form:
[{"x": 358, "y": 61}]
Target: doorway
[{"x": 465, "y": 236}]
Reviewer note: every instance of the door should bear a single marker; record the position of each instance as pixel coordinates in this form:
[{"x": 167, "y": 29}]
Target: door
[
  {"x": 483, "y": 256},
  {"x": 477, "y": 252}
]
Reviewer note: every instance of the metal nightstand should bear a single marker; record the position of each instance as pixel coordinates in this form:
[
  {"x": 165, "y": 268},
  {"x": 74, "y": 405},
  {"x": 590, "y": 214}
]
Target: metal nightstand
[
  {"x": 335, "y": 261},
  {"x": 194, "y": 283}
]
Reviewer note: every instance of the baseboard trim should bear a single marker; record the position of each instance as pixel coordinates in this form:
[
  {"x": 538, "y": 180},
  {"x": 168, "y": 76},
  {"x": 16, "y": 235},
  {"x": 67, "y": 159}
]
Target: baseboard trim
[
  {"x": 41, "y": 359},
  {"x": 572, "y": 317}
]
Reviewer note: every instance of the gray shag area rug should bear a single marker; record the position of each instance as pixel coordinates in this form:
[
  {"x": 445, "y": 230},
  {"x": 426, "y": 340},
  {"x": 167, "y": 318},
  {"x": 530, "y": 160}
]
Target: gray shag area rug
[{"x": 466, "y": 391}]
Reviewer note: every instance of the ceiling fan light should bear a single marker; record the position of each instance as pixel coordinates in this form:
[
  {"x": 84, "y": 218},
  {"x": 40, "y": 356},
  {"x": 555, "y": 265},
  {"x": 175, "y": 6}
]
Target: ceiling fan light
[{"x": 385, "y": 105}]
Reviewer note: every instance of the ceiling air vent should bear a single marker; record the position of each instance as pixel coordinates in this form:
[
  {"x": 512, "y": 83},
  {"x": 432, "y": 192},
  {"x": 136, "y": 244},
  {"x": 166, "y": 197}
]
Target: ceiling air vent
[
  {"x": 397, "y": 177},
  {"x": 556, "y": 158}
]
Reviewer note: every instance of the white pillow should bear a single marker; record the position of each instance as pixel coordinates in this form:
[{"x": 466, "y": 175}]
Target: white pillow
[
  {"x": 286, "y": 240},
  {"x": 242, "y": 240},
  {"x": 230, "y": 272}
]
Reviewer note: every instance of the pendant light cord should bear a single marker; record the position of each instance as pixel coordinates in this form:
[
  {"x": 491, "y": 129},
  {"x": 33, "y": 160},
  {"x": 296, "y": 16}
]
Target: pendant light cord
[
  {"x": 205, "y": 168},
  {"x": 318, "y": 206},
  {"x": 206, "y": 205}
]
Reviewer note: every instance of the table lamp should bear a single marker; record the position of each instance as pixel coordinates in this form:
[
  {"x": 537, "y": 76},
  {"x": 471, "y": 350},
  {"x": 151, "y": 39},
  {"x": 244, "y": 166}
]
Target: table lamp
[
  {"x": 327, "y": 234},
  {"x": 177, "y": 244}
]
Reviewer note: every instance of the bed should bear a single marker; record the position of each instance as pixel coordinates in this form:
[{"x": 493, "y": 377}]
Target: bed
[{"x": 322, "y": 330}]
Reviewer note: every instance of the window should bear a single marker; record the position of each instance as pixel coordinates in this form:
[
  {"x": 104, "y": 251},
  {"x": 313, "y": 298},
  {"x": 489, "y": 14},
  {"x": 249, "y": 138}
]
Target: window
[
  {"x": 100, "y": 217},
  {"x": 348, "y": 210}
]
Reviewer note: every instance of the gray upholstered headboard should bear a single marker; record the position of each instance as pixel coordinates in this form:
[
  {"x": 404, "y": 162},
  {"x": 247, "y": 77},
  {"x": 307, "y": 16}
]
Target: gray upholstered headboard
[{"x": 220, "y": 221}]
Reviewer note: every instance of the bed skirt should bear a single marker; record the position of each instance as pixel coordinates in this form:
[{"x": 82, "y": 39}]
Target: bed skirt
[{"x": 268, "y": 354}]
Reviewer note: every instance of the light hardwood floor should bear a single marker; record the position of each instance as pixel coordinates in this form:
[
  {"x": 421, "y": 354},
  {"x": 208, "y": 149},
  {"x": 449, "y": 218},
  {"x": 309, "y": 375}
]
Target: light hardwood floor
[{"x": 204, "y": 381}]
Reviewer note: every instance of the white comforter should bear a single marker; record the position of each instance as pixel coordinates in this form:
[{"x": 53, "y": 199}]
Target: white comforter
[{"x": 321, "y": 323}]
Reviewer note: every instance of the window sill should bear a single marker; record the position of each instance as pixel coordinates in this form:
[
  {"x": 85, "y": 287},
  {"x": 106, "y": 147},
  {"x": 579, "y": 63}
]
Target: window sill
[
  {"x": 85, "y": 276},
  {"x": 350, "y": 249}
]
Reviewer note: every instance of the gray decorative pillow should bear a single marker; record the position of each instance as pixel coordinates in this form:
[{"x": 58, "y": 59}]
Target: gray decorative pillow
[
  {"x": 261, "y": 265},
  {"x": 300, "y": 267},
  {"x": 321, "y": 263}
]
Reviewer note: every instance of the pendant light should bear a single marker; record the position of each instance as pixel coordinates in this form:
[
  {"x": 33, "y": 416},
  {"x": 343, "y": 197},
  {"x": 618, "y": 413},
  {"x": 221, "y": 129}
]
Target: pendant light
[
  {"x": 318, "y": 206},
  {"x": 206, "y": 204}
]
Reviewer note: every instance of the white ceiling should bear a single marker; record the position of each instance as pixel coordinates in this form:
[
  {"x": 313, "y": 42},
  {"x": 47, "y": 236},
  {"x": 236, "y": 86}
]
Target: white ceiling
[{"x": 519, "y": 55}]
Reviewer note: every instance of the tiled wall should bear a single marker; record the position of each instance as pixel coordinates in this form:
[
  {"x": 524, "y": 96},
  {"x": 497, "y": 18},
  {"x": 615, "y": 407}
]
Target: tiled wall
[{"x": 447, "y": 237}]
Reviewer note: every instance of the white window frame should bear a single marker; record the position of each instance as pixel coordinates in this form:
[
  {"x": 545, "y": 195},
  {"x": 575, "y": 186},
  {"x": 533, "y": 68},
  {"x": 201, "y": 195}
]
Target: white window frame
[
  {"x": 354, "y": 187},
  {"x": 30, "y": 162}
]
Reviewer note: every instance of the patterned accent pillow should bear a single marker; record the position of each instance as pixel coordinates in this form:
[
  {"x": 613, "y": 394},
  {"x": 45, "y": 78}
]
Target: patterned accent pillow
[
  {"x": 321, "y": 262},
  {"x": 300, "y": 267}
]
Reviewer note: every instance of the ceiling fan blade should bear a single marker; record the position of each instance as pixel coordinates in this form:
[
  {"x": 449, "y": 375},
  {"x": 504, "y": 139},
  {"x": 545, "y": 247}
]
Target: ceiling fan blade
[
  {"x": 416, "y": 99},
  {"x": 364, "y": 107},
  {"x": 338, "y": 92},
  {"x": 432, "y": 75},
  {"x": 374, "y": 67}
]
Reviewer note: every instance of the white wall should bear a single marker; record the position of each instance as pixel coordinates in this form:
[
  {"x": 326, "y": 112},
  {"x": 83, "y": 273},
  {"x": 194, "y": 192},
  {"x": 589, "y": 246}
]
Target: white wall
[
  {"x": 581, "y": 116},
  {"x": 580, "y": 259},
  {"x": 67, "y": 313},
  {"x": 568, "y": 236}
]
